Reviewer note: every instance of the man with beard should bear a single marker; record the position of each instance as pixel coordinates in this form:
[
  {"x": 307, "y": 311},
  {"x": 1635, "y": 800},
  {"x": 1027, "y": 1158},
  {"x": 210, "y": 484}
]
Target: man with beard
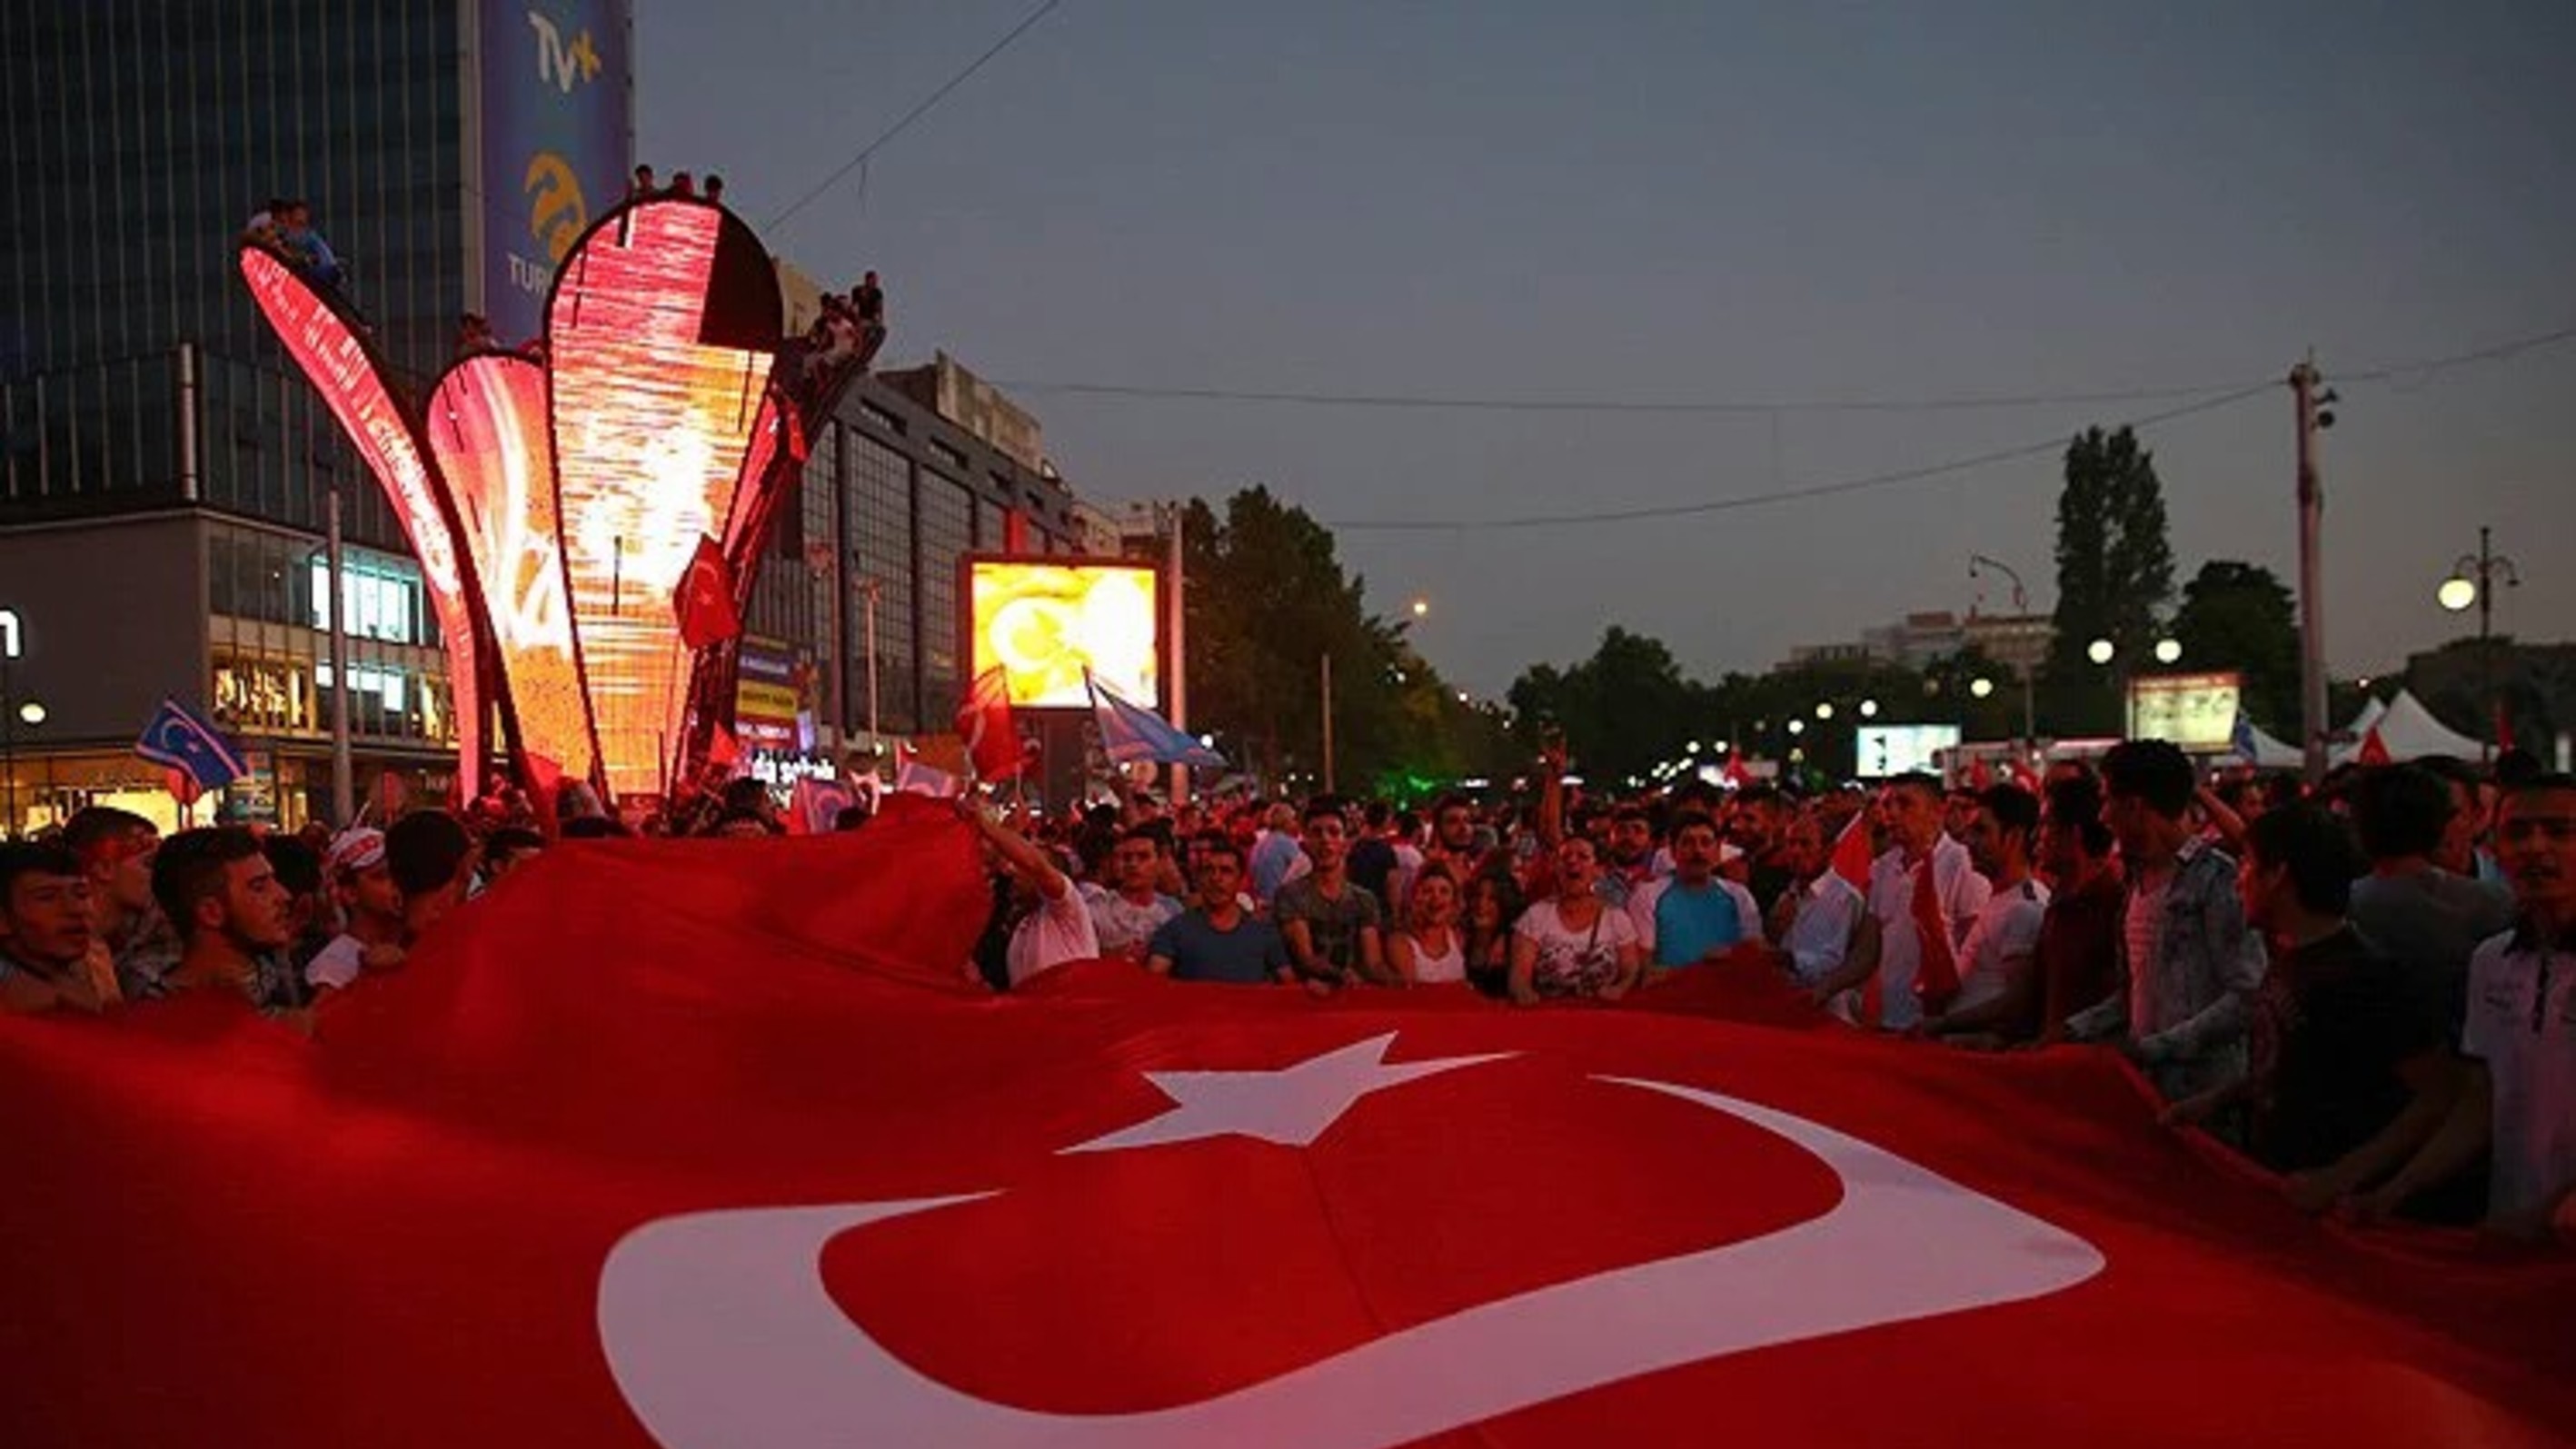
[
  {"x": 1628, "y": 857},
  {"x": 1759, "y": 826},
  {"x": 1453, "y": 837},
  {"x": 370, "y": 904},
  {"x": 223, "y": 899},
  {"x": 1998, "y": 985},
  {"x": 44, "y": 930}
]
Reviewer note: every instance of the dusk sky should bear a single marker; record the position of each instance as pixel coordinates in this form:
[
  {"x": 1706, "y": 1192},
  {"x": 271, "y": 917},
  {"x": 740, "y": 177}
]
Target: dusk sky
[{"x": 1711, "y": 203}]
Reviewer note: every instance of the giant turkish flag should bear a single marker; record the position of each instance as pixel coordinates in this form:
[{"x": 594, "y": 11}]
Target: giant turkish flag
[{"x": 703, "y": 1144}]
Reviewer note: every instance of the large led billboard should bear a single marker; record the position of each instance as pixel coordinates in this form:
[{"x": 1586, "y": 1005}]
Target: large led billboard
[
  {"x": 554, "y": 105},
  {"x": 1044, "y": 621},
  {"x": 2194, "y": 711},
  {"x": 1879, "y": 751}
]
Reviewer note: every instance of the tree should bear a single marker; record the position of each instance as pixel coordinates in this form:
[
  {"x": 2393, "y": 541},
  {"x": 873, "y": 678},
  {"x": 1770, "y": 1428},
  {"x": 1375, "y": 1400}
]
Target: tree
[
  {"x": 2114, "y": 570},
  {"x": 1624, "y": 710},
  {"x": 2240, "y": 616},
  {"x": 1268, "y": 599}
]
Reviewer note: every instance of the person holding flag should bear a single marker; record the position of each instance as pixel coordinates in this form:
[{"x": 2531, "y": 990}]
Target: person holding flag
[
  {"x": 1926, "y": 894},
  {"x": 1829, "y": 941}
]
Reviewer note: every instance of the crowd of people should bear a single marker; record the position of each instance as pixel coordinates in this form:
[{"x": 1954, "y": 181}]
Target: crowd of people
[{"x": 2359, "y": 987}]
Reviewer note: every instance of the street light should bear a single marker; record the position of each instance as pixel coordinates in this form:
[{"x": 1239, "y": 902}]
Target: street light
[
  {"x": 32, "y": 714},
  {"x": 2472, "y": 581},
  {"x": 1421, "y": 607},
  {"x": 2168, "y": 651},
  {"x": 1869, "y": 709},
  {"x": 1825, "y": 709},
  {"x": 1797, "y": 727},
  {"x": 2100, "y": 651},
  {"x": 1981, "y": 686}
]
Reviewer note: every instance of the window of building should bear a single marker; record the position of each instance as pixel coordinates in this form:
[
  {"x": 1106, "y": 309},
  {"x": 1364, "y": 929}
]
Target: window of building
[{"x": 881, "y": 523}]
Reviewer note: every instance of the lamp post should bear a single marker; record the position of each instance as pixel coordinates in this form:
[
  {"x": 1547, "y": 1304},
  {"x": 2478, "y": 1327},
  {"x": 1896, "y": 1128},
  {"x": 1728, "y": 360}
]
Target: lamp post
[
  {"x": 2472, "y": 581},
  {"x": 2021, "y": 608},
  {"x": 12, "y": 642}
]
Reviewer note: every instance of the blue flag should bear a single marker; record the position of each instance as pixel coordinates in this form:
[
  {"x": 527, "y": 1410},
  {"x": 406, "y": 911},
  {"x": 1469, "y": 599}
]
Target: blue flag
[
  {"x": 1131, "y": 733},
  {"x": 2242, "y": 740},
  {"x": 180, "y": 739}
]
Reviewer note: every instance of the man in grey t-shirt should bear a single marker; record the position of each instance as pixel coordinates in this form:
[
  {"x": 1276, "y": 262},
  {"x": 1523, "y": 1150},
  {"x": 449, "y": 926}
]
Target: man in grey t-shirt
[
  {"x": 2419, "y": 915},
  {"x": 1331, "y": 922}
]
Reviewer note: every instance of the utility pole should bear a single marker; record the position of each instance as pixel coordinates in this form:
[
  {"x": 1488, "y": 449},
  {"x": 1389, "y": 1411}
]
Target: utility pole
[
  {"x": 1327, "y": 667},
  {"x": 344, "y": 778},
  {"x": 2021, "y": 609},
  {"x": 1178, "y": 654},
  {"x": 2312, "y": 613}
]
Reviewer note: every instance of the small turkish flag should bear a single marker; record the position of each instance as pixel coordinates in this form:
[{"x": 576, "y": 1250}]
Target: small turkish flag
[
  {"x": 543, "y": 780},
  {"x": 984, "y": 724},
  {"x": 2374, "y": 750},
  {"x": 722, "y": 747},
  {"x": 705, "y": 599}
]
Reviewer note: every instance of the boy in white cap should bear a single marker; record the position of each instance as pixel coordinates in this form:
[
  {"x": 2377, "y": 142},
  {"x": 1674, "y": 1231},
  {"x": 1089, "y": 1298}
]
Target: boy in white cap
[{"x": 371, "y": 908}]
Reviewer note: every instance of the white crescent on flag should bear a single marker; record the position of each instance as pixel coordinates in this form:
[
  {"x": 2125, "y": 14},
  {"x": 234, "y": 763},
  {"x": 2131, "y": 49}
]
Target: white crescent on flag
[{"x": 720, "y": 1332}]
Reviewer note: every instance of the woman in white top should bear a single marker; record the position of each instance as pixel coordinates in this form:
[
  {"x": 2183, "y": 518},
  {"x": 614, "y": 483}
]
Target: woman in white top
[
  {"x": 1574, "y": 945},
  {"x": 1429, "y": 950}
]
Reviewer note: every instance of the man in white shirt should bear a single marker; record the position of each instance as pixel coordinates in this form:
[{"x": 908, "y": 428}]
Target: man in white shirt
[
  {"x": 2518, "y": 1103},
  {"x": 1998, "y": 986},
  {"x": 1057, "y": 927},
  {"x": 371, "y": 908},
  {"x": 1925, "y": 868},
  {"x": 1126, "y": 916}
]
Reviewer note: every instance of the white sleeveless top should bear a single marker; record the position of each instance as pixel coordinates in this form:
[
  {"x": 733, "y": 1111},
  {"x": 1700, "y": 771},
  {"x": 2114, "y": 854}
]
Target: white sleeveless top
[{"x": 1450, "y": 965}]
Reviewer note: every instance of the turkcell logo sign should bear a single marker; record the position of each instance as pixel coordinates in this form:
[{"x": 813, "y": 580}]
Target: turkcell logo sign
[{"x": 556, "y": 148}]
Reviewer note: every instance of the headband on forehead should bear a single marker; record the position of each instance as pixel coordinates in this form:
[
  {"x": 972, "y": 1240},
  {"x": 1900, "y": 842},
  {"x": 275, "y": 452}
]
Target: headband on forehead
[{"x": 358, "y": 849}]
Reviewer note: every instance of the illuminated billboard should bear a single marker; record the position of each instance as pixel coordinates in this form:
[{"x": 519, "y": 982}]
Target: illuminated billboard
[
  {"x": 1879, "y": 751},
  {"x": 1045, "y": 620},
  {"x": 352, "y": 385},
  {"x": 558, "y": 144},
  {"x": 555, "y": 505},
  {"x": 2194, "y": 711},
  {"x": 487, "y": 431}
]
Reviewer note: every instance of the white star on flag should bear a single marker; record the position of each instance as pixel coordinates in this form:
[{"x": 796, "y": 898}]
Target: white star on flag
[{"x": 1291, "y": 1106}]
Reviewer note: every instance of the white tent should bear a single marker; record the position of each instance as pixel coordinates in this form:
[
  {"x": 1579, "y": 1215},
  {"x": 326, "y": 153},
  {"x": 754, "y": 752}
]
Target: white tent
[
  {"x": 2269, "y": 753},
  {"x": 2409, "y": 730}
]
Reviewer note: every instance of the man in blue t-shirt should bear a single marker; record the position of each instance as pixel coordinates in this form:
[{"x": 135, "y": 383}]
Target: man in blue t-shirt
[
  {"x": 1697, "y": 915},
  {"x": 1216, "y": 940}
]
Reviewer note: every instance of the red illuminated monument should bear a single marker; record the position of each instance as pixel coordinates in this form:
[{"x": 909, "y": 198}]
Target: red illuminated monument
[{"x": 556, "y": 506}]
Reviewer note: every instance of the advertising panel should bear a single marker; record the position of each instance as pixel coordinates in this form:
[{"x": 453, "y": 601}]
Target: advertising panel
[
  {"x": 558, "y": 146},
  {"x": 1879, "y": 751},
  {"x": 767, "y": 698},
  {"x": 2194, "y": 711},
  {"x": 1044, "y": 622}
]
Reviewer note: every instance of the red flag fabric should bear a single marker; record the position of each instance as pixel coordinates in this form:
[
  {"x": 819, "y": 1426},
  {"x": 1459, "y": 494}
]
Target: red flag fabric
[
  {"x": 542, "y": 778},
  {"x": 1981, "y": 774},
  {"x": 705, "y": 598},
  {"x": 722, "y": 747},
  {"x": 756, "y": 1168},
  {"x": 1937, "y": 979},
  {"x": 2374, "y": 750},
  {"x": 1852, "y": 855},
  {"x": 984, "y": 724},
  {"x": 2024, "y": 776},
  {"x": 182, "y": 786}
]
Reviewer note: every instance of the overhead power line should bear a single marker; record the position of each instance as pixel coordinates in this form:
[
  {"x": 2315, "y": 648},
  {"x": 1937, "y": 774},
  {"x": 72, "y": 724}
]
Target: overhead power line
[
  {"x": 916, "y": 113},
  {"x": 1936, "y": 402},
  {"x": 1871, "y": 482}
]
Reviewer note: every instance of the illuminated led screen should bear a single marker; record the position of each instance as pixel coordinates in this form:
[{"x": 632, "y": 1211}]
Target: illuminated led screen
[
  {"x": 1043, "y": 622},
  {"x": 651, "y": 429},
  {"x": 487, "y": 430},
  {"x": 353, "y": 388},
  {"x": 1883, "y": 750},
  {"x": 2194, "y": 711}
]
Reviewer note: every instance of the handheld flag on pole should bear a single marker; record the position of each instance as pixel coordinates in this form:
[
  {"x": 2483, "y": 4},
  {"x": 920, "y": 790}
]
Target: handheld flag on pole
[
  {"x": 2242, "y": 742},
  {"x": 182, "y": 740},
  {"x": 1129, "y": 733}
]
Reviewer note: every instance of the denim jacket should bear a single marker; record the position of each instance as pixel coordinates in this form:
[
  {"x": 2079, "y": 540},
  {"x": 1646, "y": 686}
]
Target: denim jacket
[{"x": 2186, "y": 1013}]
